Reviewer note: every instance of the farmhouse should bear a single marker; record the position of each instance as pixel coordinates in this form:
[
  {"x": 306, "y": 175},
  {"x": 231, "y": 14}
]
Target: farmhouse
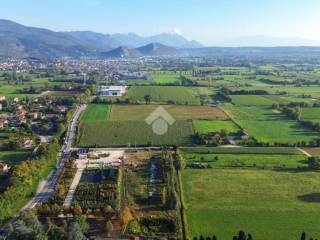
[
  {"x": 3, "y": 168},
  {"x": 112, "y": 90}
]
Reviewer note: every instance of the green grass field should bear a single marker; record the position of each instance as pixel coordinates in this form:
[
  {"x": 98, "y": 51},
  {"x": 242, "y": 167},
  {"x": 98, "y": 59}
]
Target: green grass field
[
  {"x": 184, "y": 112},
  {"x": 163, "y": 94},
  {"x": 260, "y": 161},
  {"x": 13, "y": 157},
  {"x": 266, "y": 100},
  {"x": 252, "y": 100},
  {"x": 165, "y": 78},
  {"x": 267, "y": 125},
  {"x": 243, "y": 150},
  {"x": 310, "y": 114},
  {"x": 131, "y": 133},
  {"x": 281, "y": 131},
  {"x": 96, "y": 112},
  {"x": 122, "y": 125},
  {"x": 268, "y": 204},
  {"x": 205, "y": 126}
]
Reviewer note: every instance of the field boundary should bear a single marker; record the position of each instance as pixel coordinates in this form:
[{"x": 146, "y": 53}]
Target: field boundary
[
  {"x": 182, "y": 208},
  {"x": 232, "y": 119}
]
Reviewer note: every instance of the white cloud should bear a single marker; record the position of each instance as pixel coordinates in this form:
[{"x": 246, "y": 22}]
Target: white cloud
[{"x": 177, "y": 31}]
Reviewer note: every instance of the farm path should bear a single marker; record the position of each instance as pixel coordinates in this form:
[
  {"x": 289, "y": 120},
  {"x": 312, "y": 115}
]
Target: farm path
[
  {"x": 305, "y": 152},
  {"x": 73, "y": 187}
]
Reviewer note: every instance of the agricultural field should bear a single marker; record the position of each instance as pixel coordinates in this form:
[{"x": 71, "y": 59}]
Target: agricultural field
[
  {"x": 291, "y": 90},
  {"x": 166, "y": 77},
  {"x": 267, "y": 125},
  {"x": 124, "y": 125},
  {"x": 11, "y": 91},
  {"x": 313, "y": 151},
  {"x": 184, "y": 112},
  {"x": 243, "y": 150},
  {"x": 251, "y": 100},
  {"x": 268, "y": 192},
  {"x": 310, "y": 114},
  {"x": 247, "y": 157},
  {"x": 267, "y": 100},
  {"x": 96, "y": 112},
  {"x": 131, "y": 133},
  {"x": 259, "y": 161},
  {"x": 164, "y": 94},
  {"x": 268, "y": 204},
  {"x": 205, "y": 126}
]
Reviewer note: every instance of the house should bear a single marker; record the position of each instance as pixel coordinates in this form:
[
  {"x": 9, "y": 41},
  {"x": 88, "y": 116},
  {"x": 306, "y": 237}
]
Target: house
[
  {"x": 3, "y": 123},
  {"x": 214, "y": 135},
  {"x": 17, "y": 107},
  {"x": 35, "y": 115},
  {"x": 61, "y": 109},
  {"x": 35, "y": 107},
  {"x": 51, "y": 116},
  {"x": 6, "y": 116},
  {"x": 112, "y": 90},
  {"x": 25, "y": 142},
  {"x": 2, "y": 98},
  {"x": 3, "y": 167}
]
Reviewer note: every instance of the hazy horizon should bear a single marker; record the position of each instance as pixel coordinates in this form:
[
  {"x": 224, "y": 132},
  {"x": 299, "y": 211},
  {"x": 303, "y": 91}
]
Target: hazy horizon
[{"x": 212, "y": 23}]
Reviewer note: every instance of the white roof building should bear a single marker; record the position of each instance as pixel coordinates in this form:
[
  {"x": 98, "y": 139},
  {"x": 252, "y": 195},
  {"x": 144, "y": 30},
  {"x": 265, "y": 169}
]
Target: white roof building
[{"x": 112, "y": 90}]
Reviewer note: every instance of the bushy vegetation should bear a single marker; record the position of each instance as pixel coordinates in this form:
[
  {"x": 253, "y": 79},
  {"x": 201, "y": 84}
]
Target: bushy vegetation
[
  {"x": 25, "y": 177},
  {"x": 99, "y": 193}
]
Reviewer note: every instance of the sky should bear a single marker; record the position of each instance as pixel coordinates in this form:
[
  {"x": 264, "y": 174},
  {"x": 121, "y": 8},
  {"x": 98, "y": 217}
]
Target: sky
[{"x": 208, "y": 21}]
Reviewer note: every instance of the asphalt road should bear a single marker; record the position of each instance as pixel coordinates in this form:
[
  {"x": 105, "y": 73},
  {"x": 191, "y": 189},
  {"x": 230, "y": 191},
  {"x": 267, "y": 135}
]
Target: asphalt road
[{"x": 48, "y": 187}]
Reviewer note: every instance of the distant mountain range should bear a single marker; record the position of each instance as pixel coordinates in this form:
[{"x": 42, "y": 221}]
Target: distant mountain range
[
  {"x": 152, "y": 49},
  {"x": 133, "y": 40},
  {"x": 17, "y": 40}
]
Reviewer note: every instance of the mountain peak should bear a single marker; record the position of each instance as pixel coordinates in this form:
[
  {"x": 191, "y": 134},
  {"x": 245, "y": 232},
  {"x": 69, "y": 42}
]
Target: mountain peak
[{"x": 157, "y": 49}]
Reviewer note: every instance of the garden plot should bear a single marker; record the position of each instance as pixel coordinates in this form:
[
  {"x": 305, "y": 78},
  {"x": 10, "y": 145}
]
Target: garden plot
[{"x": 92, "y": 160}]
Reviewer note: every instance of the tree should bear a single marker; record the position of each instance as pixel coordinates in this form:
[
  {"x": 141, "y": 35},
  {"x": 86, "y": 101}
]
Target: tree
[
  {"x": 74, "y": 232},
  {"x": 125, "y": 216},
  {"x": 163, "y": 196},
  {"x": 303, "y": 236},
  {"x": 242, "y": 236},
  {"x": 77, "y": 209},
  {"x": 56, "y": 233},
  {"x": 181, "y": 162},
  {"x": 82, "y": 221},
  {"x": 314, "y": 163},
  {"x": 147, "y": 98},
  {"x": 109, "y": 228},
  {"x": 108, "y": 210}
]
